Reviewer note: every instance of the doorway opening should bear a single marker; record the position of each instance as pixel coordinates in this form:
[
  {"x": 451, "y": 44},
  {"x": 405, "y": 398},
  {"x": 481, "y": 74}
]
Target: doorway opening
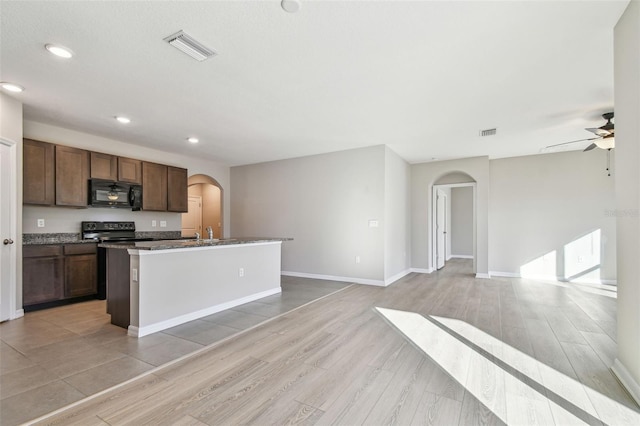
[
  {"x": 453, "y": 219},
  {"x": 204, "y": 207}
]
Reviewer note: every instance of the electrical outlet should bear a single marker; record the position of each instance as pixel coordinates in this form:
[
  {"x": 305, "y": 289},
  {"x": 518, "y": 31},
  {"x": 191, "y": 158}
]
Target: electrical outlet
[
  {"x": 40, "y": 223},
  {"x": 241, "y": 272},
  {"x": 153, "y": 223},
  {"x": 134, "y": 274},
  {"x": 357, "y": 259},
  {"x": 373, "y": 224},
  {"x": 163, "y": 224}
]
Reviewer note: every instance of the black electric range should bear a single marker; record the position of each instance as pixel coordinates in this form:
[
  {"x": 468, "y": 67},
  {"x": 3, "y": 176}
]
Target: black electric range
[{"x": 124, "y": 232}]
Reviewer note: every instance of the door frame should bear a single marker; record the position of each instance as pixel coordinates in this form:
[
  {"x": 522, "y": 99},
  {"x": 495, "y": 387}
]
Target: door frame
[
  {"x": 11, "y": 147},
  {"x": 199, "y": 230},
  {"x": 434, "y": 238},
  {"x": 441, "y": 194}
]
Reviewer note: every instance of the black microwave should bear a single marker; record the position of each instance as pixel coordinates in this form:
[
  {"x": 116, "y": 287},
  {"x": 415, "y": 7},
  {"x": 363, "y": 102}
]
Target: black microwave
[{"x": 107, "y": 193}]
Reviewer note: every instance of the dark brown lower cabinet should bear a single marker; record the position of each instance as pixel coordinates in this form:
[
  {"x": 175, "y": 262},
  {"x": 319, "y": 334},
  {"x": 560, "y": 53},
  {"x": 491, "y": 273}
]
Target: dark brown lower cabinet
[
  {"x": 43, "y": 274},
  {"x": 118, "y": 287},
  {"x": 57, "y": 274},
  {"x": 81, "y": 273}
]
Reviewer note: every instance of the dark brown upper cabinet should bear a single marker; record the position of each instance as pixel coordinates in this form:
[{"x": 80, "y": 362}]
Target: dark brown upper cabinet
[
  {"x": 129, "y": 170},
  {"x": 177, "y": 196},
  {"x": 104, "y": 166},
  {"x": 154, "y": 186},
  {"x": 72, "y": 176},
  {"x": 38, "y": 173}
]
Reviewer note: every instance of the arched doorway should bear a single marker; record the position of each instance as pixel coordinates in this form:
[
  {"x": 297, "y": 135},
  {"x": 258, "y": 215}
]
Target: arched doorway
[
  {"x": 453, "y": 218},
  {"x": 205, "y": 207}
]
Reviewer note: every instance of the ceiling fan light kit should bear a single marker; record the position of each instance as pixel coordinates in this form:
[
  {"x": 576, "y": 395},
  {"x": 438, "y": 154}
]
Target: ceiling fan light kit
[{"x": 605, "y": 143}]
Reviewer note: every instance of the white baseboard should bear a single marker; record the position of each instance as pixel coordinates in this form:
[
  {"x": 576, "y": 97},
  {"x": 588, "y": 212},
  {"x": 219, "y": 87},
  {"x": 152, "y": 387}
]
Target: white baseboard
[
  {"x": 396, "y": 277},
  {"x": 366, "y": 281},
  {"x": 421, "y": 270},
  {"x": 626, "y": 379},
  {"x": 181, "y": 319},
  {"x": 504, "y": 274},
  {"x": 462, "y": 256},
  {"x": 551, "y": 278},
  {"x": 17, "y": 314},
  {"x": 482, "y": 275}
]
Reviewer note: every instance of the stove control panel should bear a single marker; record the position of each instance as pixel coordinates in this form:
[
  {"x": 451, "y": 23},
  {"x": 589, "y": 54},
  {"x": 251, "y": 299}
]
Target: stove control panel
[{"x": 108, "y": 226}]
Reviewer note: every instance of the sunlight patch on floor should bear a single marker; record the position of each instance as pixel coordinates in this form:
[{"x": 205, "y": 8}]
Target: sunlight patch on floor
[{"x": 514, "y": 386}]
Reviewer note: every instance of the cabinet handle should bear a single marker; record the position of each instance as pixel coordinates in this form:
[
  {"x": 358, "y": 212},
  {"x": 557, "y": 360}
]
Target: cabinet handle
[{"x": 7, "y": 241}]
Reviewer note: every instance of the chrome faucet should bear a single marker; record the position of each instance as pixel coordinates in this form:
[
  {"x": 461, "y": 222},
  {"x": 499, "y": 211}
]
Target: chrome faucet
[
  {"x": 197, "y": 235},
  {"x": 210, "y": 232}
]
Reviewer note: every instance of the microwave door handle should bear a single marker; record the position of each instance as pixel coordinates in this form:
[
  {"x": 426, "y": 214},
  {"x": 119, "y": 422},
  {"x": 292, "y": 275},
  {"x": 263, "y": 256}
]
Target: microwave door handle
[{"x": 132, "y": 196}]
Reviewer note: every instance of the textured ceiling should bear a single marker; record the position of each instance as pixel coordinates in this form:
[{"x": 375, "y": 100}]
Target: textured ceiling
[{"x": 422, "y": 77}]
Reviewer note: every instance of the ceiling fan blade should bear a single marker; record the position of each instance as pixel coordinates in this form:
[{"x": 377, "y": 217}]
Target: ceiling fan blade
[
  {"x": 600, "y": 132},
  {"x": 566, "y": 143},
  {"x": 590, "y": 147}
]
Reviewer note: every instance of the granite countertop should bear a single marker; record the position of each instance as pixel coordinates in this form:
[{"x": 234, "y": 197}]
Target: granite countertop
[
  {"x": 54, "y": 238},
  {"x": 76, "y": 237},
  {"x": 188, "y": 243}
]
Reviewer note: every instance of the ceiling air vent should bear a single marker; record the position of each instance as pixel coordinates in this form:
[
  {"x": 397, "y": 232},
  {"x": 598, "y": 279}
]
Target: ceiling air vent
[
  {"x": 187, "y": 44},
  {"x": 488, "y": 132}
]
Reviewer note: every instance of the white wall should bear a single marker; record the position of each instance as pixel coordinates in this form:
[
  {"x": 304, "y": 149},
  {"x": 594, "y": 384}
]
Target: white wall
[
  {"x": 397, "y": 246},
  {"x": 11, "y": 129},
  {"x": 627, "y": 177},
  {"x": 325, "y": 203},
  {"x": 61, "y": 219},
  {"x": 542, "y": 204},
  {"x": 423, "y": 177},
  {"x": 461, "y": 230}
]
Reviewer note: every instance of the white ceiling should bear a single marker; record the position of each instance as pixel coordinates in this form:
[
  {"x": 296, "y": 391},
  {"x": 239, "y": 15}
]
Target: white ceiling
[{"x": 423, "y": 77}]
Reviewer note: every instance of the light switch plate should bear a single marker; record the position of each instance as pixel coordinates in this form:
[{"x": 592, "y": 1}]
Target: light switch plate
[
  {"x": 153, "y": 223},
  {"x": 373, "y": 224},
  {"x": 163, "y": 224},
  {"x": 40, "y": 223}
]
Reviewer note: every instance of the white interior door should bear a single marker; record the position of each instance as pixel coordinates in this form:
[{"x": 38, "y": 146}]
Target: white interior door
[
  {"x": 7, "y": 245},
  {"x": 192, "y": 220},
  {"x": 441, "y": 228}
]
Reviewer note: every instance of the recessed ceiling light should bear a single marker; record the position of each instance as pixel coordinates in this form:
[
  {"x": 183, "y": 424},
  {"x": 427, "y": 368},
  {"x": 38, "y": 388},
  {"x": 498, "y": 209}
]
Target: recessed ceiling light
[
  {"x": 123, "y": 120},
  {"x": 11, "y": 87},
  {"x": 193, "y": 140},
  {"x": 291, "y": 6},
  {"x": 58, "y": 50}
]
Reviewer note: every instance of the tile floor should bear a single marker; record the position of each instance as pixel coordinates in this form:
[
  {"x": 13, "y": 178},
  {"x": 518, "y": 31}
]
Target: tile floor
[{"x": 54, "y": 357}]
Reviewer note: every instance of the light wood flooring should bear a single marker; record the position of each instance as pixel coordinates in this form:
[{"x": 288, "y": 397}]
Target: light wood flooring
[
  {"x": 54, "y": 357},
  {"x": 340, "y": 361}
]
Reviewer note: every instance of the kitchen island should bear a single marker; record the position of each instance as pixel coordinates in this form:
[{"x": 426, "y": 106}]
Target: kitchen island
[{"x": 155, "y": 285}]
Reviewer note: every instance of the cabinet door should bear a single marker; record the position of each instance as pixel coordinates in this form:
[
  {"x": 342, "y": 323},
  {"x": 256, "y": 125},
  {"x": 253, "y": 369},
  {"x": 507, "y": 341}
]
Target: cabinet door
[
  {"x": 38, "y": 173},
  {"x": 81, "y": 275},
  {"x": 129, "y": 170},
  {"x": 104, "y": 166},
  {"x": 154, "y": 186},
  {"x": 72, "y": 176},
  {"x": 42, "y": 279},
  {"x": 177, "y": 190}
]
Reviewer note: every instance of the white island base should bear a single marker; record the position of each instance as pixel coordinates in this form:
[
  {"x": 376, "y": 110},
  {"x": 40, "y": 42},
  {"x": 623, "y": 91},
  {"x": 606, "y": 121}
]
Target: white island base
[{"x": 175, "y": 286}]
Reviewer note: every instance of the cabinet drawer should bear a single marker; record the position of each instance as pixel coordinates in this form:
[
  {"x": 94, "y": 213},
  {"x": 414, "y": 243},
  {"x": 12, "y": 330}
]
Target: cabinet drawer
[
  {"x": 85, "y": 248},
  {"x": 42, "y": 251}
]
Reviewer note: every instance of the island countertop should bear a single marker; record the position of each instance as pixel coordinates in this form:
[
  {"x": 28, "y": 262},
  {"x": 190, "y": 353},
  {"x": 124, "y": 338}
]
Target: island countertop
[{"x": 188, "y": 243}]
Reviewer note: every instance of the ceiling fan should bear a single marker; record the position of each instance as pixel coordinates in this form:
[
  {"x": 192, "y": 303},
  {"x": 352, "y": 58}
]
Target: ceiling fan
[{"x": 604, "y": 136}]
